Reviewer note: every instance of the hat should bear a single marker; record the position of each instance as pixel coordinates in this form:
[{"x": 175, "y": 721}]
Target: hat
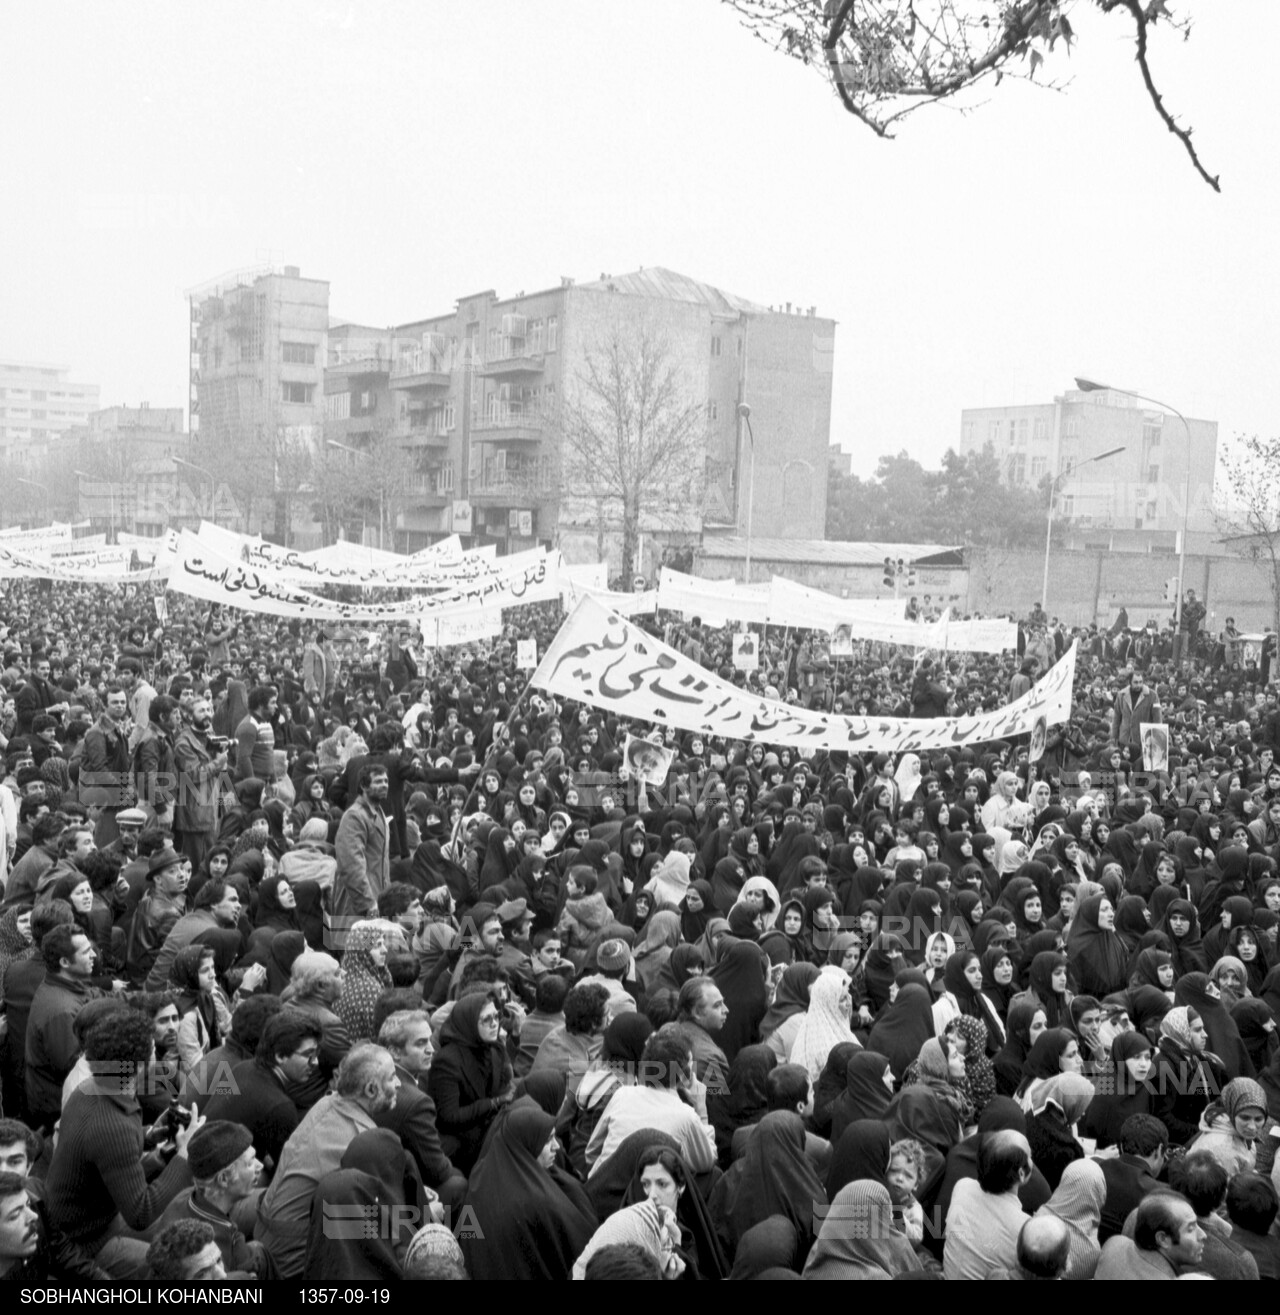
[
  {"x": 162, "y": 859},
  {"x": 131, "y": 817},
  {"x": 613, "y": 956},
  {"x": 215, "y": 1146},
  {"x": 513, "y": 911}
]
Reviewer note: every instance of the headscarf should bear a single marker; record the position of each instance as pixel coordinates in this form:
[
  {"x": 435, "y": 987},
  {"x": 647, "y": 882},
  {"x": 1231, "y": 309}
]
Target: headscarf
[
  {"x": 861, "y": 1152},
  {"x": 684, "y": 962},
  {"x": 767, "y": 1250},
  {"x": 830, "y": 1085},
  {"x": 14, "y": 947},
  {"x": 903, "y": 1028},
  {"x": 740, "y": 975},
  {"x": 1252, "y": 1017},
  {"x": 701, "y": 1240},
  {"x": 774, "y": 1177},
  {"x": 639, "y": 1225},
  {"x": 1098, "y": 958},
  {"x": 1078, "y": 1202},
  {"x": 284, "y": 948},
  {"x": 362, "y": 981},
  {"x": 791, "y": 997},
  {"x": 825, "y": 1025},
  {"x": 865, "y": 1095},
  {"x": 1224, "y": 1036},
  {"x": 270, "y": 912},
  {"x": 1068, "y": 1092},
  {"x": 1043, "y": 967},
  {"x": 857, "y": 1239},
  {"x": 669, "y": 883},
  {"x": 1188, "y": 951},
  {"x": 1147, "y": 965},
  {"x": 184, "y": 981},
  {"x": 1011, "y": 1057},
  {"x": 531, "y": 1228}
]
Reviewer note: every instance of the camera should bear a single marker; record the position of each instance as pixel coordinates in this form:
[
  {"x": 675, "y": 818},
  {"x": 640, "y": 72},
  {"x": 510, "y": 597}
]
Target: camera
[
  {"x": 219, "y": 743},
  {"x": 167, "y": 1126}
]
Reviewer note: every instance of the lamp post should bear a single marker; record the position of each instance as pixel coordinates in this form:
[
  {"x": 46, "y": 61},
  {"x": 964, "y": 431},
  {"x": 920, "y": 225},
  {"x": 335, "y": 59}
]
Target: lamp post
[
  {"x": 744, "y": 413},
  {"x": 1092, "y": 386},
  {"x": 35, "y": 484},
  {"x": 111, "y": 494},
  {"x": 213, "y": 482},
  {"x": 1048, "y": 528}
]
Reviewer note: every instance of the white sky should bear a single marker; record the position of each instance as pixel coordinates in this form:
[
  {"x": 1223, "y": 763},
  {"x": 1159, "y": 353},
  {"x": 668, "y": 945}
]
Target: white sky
[{"x": 412, "y": 153}]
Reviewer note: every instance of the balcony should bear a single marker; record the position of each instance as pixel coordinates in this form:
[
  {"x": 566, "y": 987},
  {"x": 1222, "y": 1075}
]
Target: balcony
[
  {"x": 421, "y": 370},
  {"x": 423, "y": 490},
  {"x": 413, "y": 435},
  {"x": 497, "y": 487},
  {"x": 510, "y": 422},
  {"x": 512, "y": 358},
  {"x": 357, "y": 367}
]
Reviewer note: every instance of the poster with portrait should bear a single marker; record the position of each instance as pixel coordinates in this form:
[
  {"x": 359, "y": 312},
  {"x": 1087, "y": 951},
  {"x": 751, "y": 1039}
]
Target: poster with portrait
[
  {"x": 1155, "y": 746},
  {"x": 646, "y": 761},
  {"x": 841, "y": 642},
  {"x": 746, "y": 651},
  {"x": 526, "y": 654},
  {"x": 1039, "y": 739}
]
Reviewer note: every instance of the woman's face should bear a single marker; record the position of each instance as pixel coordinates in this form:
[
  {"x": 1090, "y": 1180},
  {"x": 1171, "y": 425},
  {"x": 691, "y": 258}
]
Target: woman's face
[
  {"x": 637, "y": 846},
  {"x": 659, "y": 1186},
  {"x": 1246, "y": 947},
  {"x": 1249, "y": 1123},
  {"x": 938, "y": 954},
  {"x": 1229, "y": 979},
  {"x": 24, "y": 927},
  {"x": 1031, "y": 909},
  {"x": 825, "y": 917},
  {"x": 527, "y": 795},
  {"x": 973, "y": 974},
  {"x": 284, "y": 894},
  {"x": 1179, "y": 924},
  {"x": 753, "y": 899},
  {"x": 860, "y": 860},
  {"x": 547, "y": 1156},
  {"x": 867, "y": 923},
  {"x": 218, "y": 865},
  {"x": 1070, "y": 1061},
  {"x": 852, "y": 958},
  {"x": 378, "y": 952},
  {"x": 1106, "y": 916},
  {"x": 966, "y": 848},
  {"x": 518, "y": 829},
  {"x": 753, "y": 844},
  {"x": 1165, "y": 975},
  {"x": 944, "y": 816},
  {"x": 642, "y": 906},
  {"x": 1039, "y": 1022},
  {"x": 975, "y": 914},
  {"x": 931, "y": 852},
  {"x": 1058, "y": 982},
  {"x": 1066, "y": 903},
  {"x": 1089, "y": 1023},
  {"x": 207, "y": 977},
  {"x": 693, "y": 902},
  {"x": 317, "y": 790},
  {"x": 792, "y": 922},
  {"x": 1139, "y": 1066},
  {"x": 1166, "y": 873},
  {"x": 1004, "y": 971},
  {"x": 1272, "y": 898}
]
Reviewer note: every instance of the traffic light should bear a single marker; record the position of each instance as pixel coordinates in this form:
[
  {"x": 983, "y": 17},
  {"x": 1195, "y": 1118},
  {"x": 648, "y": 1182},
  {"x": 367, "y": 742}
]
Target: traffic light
[
  {"x": 911, "y": 576},
  {"x": 888, "y": 573},
  {"x": 1171, "y": 589}
]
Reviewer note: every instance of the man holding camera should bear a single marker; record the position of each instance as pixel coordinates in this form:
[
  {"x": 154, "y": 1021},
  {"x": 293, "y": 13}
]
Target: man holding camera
[{"x": 201, "y": 759}]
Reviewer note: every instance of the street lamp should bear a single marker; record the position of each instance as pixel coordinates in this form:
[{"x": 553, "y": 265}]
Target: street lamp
[
  {"x": 356, "y": 452},
  {"x": 1092, "y": 386},
  {"x": 1048, "y": 529},
  {"x": 213, "y": 482},
  {"x": 111, "y": 493},
  {"x": 744, "y": 413},
  {"x": 35, "y": 484}
]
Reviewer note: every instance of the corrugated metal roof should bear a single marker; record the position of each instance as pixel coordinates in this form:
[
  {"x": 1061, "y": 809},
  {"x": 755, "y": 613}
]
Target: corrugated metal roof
[
  {"x": 823, "y": 552},
  {"x": 666, "y": 283}
]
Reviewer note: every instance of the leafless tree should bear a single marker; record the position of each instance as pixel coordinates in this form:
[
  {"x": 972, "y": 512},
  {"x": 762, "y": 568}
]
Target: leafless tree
[
  {"x": 886, "y": 58},
  {"x": 1251, "y": 519},
  {"x": 633, "y": 436}
]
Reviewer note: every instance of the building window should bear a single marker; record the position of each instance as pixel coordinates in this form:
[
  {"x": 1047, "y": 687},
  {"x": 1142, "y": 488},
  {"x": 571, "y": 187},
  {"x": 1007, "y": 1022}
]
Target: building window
[
  {"x": 299, "y": 353},
  {"x": 553, "y": 332},
  {"x": 1017, "y": 470},
  {"x": 966, "y": 432},
  {"x": 536, "y": 333},
  {"x": 300, "y": 393},
  {"x": 1151, "y": 434},
  {"x": 993, "y": 431},
  {"x": 1018, "y": 430},
  {"x": 1153, "y": 474},
  {"x": 1039, "y": 467},
  {"x": 713, "y": 411},
  {"x": 444, "y": 478},
  {"x": 1071, "y": 427},
  {"x": 37, "y": 395},
  {"x": 1040, "y": 429},
  {"x": 715, "y": 346}
]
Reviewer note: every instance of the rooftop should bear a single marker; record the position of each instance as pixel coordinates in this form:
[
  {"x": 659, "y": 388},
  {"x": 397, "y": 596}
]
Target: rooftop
[{"x": 829, "y": 552}]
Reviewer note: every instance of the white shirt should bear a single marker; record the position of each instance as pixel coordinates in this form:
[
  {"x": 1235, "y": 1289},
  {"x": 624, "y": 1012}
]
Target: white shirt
[
  {"x": 982, "y": 1232},
  {"x": 633, "y": 1109}
]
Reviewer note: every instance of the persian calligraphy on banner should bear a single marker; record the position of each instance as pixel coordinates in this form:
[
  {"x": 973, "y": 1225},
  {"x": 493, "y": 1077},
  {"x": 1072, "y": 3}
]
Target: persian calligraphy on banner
[
  {"x": 107, "y": 566},
  {"x": 601, "y": 659},
  {"x": 202, "y": 572}
]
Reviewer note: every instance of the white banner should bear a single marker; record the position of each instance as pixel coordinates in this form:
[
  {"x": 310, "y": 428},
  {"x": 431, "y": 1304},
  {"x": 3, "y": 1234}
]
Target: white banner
[
  {"x": 469, "y": 628},
  {"x": 600, "y": 659},
  {"x": 104, "y": 567},
  {"x": 716, "y": 602},
  {"x": 85, "y": 544},
  {"x": 202, "y": 572}
]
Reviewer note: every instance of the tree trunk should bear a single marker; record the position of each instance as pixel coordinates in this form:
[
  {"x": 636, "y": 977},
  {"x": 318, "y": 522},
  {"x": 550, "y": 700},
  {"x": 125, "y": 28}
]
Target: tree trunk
[{"x": 630, "y": 542}]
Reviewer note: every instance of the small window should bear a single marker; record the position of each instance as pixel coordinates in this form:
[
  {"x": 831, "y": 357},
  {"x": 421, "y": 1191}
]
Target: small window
[
  {"x": 300, "y": 393},
  {"x": 713, "y": 411},
  {"x": 299, "y": 353},
  {"x": 553, "y": 332},
  {"x": 715, "y": 346},
  {"x": 1040, "y": 429}
]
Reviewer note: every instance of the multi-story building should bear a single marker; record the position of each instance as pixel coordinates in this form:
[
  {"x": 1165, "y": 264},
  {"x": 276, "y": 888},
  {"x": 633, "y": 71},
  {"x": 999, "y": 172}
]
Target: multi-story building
[
  {"x": 1142, "y": 487},
  {"x": 476, "y": 393},
  {"x": 257, "y": 359},
  {"x": 39, "y": 404}
]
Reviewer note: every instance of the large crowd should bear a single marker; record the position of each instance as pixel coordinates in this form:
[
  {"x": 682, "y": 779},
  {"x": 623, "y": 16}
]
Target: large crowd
[{"x": 325, "y": 956}]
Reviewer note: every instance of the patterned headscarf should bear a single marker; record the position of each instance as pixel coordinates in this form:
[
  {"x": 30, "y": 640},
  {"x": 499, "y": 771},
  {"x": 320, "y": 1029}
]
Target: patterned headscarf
[
  {"x": 1176, "y": 1025},
  {"x": 362, "y": 981}
]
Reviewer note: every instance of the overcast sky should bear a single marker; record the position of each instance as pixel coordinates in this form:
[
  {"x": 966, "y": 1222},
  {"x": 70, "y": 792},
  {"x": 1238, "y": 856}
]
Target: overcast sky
[{"x": 412, "y": 153}]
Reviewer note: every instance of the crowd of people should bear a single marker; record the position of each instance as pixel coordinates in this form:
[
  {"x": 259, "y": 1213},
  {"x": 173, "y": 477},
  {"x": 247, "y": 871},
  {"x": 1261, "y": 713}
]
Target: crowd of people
[{"x": 326, "y": 956}]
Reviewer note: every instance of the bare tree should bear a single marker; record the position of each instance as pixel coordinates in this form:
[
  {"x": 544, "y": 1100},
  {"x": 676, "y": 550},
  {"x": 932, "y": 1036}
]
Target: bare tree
[
  {"x": 886, "y": 58},
  {"x": 1251, "y": 520},
  {"x": 633, "y": 436}
]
